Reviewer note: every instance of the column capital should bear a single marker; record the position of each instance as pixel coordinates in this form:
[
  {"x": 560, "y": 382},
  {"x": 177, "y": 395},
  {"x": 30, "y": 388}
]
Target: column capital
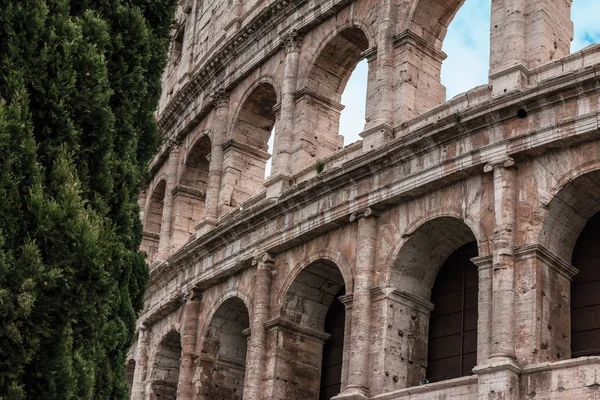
[
  {"x": 220, "y": 98},
  {"x": 193, "y": 294},
  {"x": 264, "y": 261},
  {"x": 364, "y": 213},
  {"x": 291, "y": 42},
  {"x": 503, "y": 163}
]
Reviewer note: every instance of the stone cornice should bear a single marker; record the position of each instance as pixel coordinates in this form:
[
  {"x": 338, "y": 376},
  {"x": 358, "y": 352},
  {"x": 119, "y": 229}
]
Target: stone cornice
[
  {"x": 541, "y": 253},
  {"x": 400, "y": 151},
  {"x": 189, "y": 191},
  {"x": 306, "y": 93},
  {"x": 410, "y": 37},
  {"x": 295, "y": 328},
  {"x": 253, "y": 152}
]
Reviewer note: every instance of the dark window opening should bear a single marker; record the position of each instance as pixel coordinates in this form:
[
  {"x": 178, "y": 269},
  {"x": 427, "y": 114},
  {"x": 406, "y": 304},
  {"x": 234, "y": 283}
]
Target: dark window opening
[
  {"x": 452, "y": 350},
  {"x": 585, "y": 292},
  {"x": 333, "y": 349}
]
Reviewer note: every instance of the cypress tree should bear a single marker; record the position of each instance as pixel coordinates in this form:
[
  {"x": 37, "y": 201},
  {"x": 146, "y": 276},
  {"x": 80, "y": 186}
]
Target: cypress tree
[{"x": 79, "y": 81}]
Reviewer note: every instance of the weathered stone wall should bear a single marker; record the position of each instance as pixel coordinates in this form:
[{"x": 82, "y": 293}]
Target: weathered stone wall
[{"x": 244, "y": 269}]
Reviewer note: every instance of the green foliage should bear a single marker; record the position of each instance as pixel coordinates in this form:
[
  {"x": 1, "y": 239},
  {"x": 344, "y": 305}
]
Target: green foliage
[{"x": 79, "y": 81}]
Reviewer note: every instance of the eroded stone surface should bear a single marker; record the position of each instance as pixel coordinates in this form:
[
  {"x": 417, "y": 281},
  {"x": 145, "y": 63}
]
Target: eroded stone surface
[{"x": 244, "y": 270}]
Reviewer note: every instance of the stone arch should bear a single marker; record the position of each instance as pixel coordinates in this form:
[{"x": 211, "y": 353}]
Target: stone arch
[
  {"x": 475, "y": 227},
  {"x": 432, "y": 268},
  {"x": 129, "y": 373},
  {"x": 153, "y": 220},
  {"x": 318, "y": 102},
  {"x": 329, "y": 255},
  {"x": 312, "y": 323},
  {"x": 573, "y": 204},
  {"x": 424, "y": 250},
  {"x": 189, "y": 196},
  {"x": 430, "y": 19},
  {"x": 223, "y": 351},
  {"x": 165, "y": 368},
  {"x": 247, "y": 151}
]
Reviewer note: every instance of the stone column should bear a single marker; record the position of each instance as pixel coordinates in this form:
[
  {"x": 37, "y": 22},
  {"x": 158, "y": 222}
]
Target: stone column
[
  {"x": 360, "y": 339},
  {"x": 185, "y": 389},
  {"x": 260, "y": 315},
  {"x": 524, "y": 35},
  {"x": 499, "y": 376},
  {"x": 164, "y": 244},
  {"x": 141, "y": 366},
  {"x": 380, "y": 101},
  {"x": 503, "y": 264},
  {"x": 284, "y": 136},
  {"x": 215, "y": 169}
]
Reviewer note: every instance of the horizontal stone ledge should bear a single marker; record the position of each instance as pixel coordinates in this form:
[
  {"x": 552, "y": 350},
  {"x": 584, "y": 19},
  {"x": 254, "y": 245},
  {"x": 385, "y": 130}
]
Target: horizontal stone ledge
[{"x": 292, "y": 327}]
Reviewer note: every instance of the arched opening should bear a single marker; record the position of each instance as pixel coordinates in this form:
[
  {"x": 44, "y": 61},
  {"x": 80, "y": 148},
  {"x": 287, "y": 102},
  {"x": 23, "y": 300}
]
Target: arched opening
[
  {"x": 190, "y": 194},
  {"x": 353, "y": 116},
  {"x": 333, "y": 349},
  {"x": 129, "y": 373},
  {"x": 246, "y": 154},
  {"x": 467, "y": 42},
  {"x": 584, "y": 14},
  {"x": 319, "y": 103},
  {"x": 433, "y": 267},
  {"x": 153, "y": 223},
  {"x": 585, "y": 292},
  {"x": 312, "y": 305},
  {"x": 452, "y": 349},
  {"x": 165, "y": 370},
  {"x": 223, "y": 358},
  {"x": 570, "y": 232}
]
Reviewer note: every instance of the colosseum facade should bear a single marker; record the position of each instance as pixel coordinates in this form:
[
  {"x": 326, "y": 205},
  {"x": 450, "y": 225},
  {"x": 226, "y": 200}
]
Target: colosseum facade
[{"x": 449, "y": 254}]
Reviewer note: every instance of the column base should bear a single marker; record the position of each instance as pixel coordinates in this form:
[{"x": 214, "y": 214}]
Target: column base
[
  {"x": 206, "y": 225},
  {"x": 508, "y": 79},
  {"x": 376, "y": 136},
  {"x": 498, "y": 379},
  {"x": 353, "y": 393},
  {"x": 276, "y": 185}
]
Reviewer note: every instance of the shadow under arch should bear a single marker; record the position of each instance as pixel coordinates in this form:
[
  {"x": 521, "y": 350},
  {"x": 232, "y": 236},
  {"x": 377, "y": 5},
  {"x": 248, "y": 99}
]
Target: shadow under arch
[
  {"x": 153, "y": 217},
  {"x": 574, "y": 203},
  {"x": 433, "y": 266},
  {"x": 312, "y": 325},
  {"x": 165, "y": 369},
  {"x": 318, "y": 102},
  {"x": 247, "y": 151},
  {"x": 189, "y": 196},
  {"x": 222, "y": 361},
  {"x": 571, "y": 231}
]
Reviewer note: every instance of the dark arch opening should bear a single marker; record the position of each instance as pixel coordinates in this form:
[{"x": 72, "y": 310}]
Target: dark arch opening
[
  {"x": 585, "y": 292},
  {"x": 247, "y": 153},
  {"x": 452, "y": 346},
  {"x": 312, "y": 302},
  {"x": 165, "y": 375},
  {"x": 333, "y": 349},
  {"x": 190, "y": 195},
  {"x": 153, "y": 221},
  {"x": 223, "y": 358}
]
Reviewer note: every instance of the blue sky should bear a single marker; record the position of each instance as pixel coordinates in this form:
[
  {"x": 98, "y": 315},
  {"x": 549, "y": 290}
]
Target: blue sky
[{"x": 467, "y": 43}]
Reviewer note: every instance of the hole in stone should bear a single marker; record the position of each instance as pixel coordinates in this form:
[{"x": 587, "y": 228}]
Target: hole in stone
[{"x": 522, "y": 113}]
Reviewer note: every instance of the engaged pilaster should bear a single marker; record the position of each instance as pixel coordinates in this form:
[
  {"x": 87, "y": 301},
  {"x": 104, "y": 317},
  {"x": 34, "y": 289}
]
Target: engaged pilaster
[
  {"x": 283, "y": 143},
  {"x": 164, "y": 246},
  {"x": 139, "y": 376},
  {"x": 260, "y": 314},
  {"x": 215, "y": 169},
  {"x": 358, "y": 371},
  {"x": 185, "y": 390}
]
